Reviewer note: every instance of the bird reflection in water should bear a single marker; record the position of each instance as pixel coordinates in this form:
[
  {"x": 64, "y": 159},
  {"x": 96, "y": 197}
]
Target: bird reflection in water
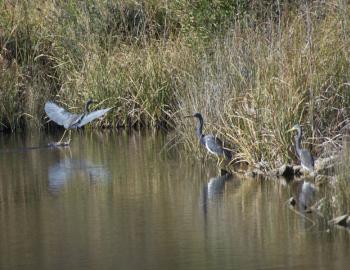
[
  {"x": 303, "y": 195},
  {"x": 214, "y": 189},
  {"x": 69, "y": 169}
]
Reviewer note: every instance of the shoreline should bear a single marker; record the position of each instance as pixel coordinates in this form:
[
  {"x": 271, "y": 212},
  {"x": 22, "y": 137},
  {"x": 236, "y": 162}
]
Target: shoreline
[
  {"x": 252, "y": 72},
  {"x": 325, "y": 175}
]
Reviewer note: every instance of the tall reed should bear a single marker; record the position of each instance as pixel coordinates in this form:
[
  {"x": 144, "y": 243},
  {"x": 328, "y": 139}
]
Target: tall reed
[
  {"x": 119, "y": 53},
  {"x": 257, "y": 82},
  {"x": 253, "y": 70},
  {"x": 337, "y": 193}
]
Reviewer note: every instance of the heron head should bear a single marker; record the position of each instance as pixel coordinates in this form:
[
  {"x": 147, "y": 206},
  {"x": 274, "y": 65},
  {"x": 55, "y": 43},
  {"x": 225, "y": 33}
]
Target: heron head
[
  {"x": 196, "y": 115},
  {"x": 89, "y": 101},
  {"x": 295, "y": 127},
  {"x": 87, "y": 104}
]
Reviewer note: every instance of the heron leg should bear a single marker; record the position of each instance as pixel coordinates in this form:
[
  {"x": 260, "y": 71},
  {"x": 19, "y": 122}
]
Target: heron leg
[
  {"x": 64, "y": 133},
  {"x": 69, "y": 136},
  {"x": 217, "y": 161},
  {"x": 220, "y": 161}
]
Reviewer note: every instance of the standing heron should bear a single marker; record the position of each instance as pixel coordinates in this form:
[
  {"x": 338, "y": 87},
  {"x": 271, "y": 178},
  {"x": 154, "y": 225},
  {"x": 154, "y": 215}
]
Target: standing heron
[
  {"x": 305, "y": 157},
  {"x": 213, "y": 144},
  {"x": 71, "y": 120}
]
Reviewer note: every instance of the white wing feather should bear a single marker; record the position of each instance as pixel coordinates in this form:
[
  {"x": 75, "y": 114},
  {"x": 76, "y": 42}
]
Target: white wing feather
[
  {"x": 92, "y": 116},
  {"x": 57, "y": 113}
]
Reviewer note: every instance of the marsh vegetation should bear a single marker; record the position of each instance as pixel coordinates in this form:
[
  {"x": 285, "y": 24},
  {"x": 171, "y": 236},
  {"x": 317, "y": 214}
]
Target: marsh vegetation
[{"x": 252, "y": 68}]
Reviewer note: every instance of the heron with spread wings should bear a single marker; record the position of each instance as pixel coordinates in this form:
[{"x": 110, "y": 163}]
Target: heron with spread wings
[{"x": 71, "y": 120}]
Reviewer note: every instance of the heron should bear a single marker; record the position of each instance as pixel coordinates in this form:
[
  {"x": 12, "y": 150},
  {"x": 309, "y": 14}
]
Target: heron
[
  {"x": 306, "y": 160},
  {"x": 71, "y": 120},
  {"x": 213, "y": 144}
]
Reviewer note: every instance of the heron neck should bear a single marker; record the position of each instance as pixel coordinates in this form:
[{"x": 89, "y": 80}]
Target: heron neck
[
  {"x": 298, "y": 142},
  {"x": 86, "y": 109},
  {"x": 199, "y": 129}
]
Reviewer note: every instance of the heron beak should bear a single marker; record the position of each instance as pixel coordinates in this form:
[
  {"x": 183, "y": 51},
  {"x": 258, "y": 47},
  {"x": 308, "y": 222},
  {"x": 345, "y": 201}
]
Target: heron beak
[
  {"x": 187, "y": 116},
  {"x": 292, "y": 129}
]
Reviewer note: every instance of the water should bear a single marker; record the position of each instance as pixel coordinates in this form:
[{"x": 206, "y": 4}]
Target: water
[{"x": 118, "y": 201}]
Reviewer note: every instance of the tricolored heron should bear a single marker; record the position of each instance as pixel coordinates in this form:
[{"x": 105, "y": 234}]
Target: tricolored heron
[
  {"x": 305, "y": 157},
  {"x": 213, "y": 144},
  {"x": 71, "y": 120}
]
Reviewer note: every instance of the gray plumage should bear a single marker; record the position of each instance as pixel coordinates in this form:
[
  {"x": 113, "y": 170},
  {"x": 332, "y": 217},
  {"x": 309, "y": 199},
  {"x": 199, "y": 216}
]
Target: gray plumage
[
  {"x": 71, "y": 120},
  {"x": 213, "y": 144},
  {"x": 306, "y": 195},
  {"x": 305, "y": 157}
]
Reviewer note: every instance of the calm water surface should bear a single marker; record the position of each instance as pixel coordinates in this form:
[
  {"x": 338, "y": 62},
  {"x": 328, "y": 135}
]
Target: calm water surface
[{"x": 118, "y": 201}]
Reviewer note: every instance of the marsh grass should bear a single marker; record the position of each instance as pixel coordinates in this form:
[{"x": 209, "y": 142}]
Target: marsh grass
[
  {"x": 337, "y": 194},
  {"x": 257, "y": 82},
  {"x": 252, "y": 71},
  {"x": 120, "y": 54}
]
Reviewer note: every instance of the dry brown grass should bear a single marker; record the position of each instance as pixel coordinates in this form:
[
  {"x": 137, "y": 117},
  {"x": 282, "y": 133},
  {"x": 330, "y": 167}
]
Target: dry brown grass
[
  {"x": 259, "y": 81},
  {"x": 251, "y": 84}
]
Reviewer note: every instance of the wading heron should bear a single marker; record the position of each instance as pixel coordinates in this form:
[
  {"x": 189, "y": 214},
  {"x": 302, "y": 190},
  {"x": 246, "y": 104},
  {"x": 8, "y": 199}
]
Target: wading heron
[
  {"x": 71, "y": 120},
  {"x": 213, "y": 144},
  {"x": 305, "y": 157}
]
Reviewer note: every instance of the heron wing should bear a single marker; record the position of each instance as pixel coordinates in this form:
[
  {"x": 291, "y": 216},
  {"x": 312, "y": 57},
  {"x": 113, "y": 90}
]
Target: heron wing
[
  {"x": 92, "y": 116},
  {"x": 307, "y": 160},
  {"x": 213, "y": 144},
  {"x": 58, "y": 114}
]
